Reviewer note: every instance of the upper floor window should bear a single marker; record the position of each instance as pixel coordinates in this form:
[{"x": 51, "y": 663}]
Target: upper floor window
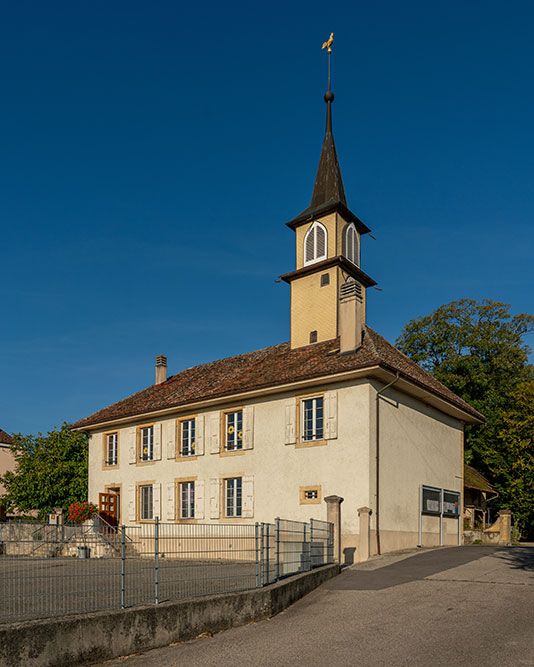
[
  {"x": 315, "y": 243},
  {"x": 352, "y": 244},
  {"x": 187, "y": 436},
  {"x": 112, "y": 441},
  {"x": 146, "y": 437},
  {"x": 312, "y": 418},
  {"x": 234, "y": 430}
]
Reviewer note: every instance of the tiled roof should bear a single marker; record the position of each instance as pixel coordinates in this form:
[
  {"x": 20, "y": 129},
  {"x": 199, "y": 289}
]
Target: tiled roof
[
  {"x": 270, "y": 367},
  {"x": 5, "y": 438},
  {"x": 475, "y": 480}
]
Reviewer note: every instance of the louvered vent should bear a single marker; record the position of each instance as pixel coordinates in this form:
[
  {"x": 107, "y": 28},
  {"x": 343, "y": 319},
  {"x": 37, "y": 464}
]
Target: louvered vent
[
  {"x": 350, "y": 289},
  {"x": 310, "y": 245},
  {"x": 321, "y": 242}
]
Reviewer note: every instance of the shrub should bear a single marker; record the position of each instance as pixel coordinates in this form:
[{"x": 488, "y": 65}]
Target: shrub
[{"x": 80, "y": 512}]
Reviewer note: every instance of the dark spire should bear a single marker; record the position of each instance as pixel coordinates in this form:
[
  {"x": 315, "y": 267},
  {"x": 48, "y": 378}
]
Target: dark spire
[{"x": 328, "y": 182}]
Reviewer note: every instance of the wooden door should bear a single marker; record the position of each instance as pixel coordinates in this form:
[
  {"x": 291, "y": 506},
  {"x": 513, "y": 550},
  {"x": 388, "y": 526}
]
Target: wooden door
[{"x": 108, "y": 507}]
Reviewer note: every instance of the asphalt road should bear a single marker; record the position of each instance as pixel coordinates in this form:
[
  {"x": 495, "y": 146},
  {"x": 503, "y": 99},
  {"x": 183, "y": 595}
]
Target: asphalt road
[{"x": 455, "y": 606}]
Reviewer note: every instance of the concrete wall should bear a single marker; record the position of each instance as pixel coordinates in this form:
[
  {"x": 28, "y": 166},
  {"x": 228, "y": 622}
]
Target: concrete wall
[
  {"x": 418, "y": 445},
  {"x": 90, "y": 638},
  {"x": 314, "y": 308},
  {"x": 339, "y": 466}
]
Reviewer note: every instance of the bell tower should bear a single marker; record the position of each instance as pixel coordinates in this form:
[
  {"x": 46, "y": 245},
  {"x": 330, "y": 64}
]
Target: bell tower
[{"x": 328, "y": 287}]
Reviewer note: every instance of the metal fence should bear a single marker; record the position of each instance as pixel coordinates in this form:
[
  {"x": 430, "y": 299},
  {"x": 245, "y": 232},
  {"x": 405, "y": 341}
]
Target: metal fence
[{"x": 53, "y": 570}]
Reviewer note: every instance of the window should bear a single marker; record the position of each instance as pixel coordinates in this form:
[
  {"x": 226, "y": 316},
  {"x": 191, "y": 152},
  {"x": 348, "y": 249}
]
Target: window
[
  {"x": 313, "y": 336},
  {"x": 325, "y": 279},
  {"x": 352, "y": 245},
  {"x": 146, "y": 500},
  {"x": 187, "y": 500},
  {"x": 187, "y": 437},
  {"x": 310, "y": 495},
  {"x": 315, "y": 243},
  {"x": 147, "y": 443},
  {"x": 111, "y": 448},
  {"x": 234, "y": 431},
  {"x": 312, "y": 419},
  {"x": 233, "y": 493}
]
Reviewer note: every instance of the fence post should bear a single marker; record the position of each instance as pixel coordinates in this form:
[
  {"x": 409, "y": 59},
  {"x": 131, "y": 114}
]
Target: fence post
[
  {"x": 311, "y": 542},
  {"x": 306, "y": 564},
  {"x": 257, "y": 542},
  {"x": 123, "y": 566},
  {"x": 268, "y": 546},
  {"x": 262, "y": 555},
  {"x": 277, "y": 520},
  {"x": 156, "y": 558}
]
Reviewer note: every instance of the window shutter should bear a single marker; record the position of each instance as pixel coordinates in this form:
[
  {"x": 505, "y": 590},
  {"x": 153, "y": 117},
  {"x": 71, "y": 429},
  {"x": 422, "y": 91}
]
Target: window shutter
[
  {"x": 199, "y": 435},
  {"x": 331, "y": 414},
  {"x": 169, "y": 437},
  {"x": 291, "y": 414},
  {"x": 248, "y": 497},
  {"x": 309, "y": 249},
  {"x": 131, "y": 440},
  {"x": 321, "y": 242},
  {"x": 214, "y": 498},
  {"x": 171, "y": 515},
  {"x": 131, "y": 503},
  {"x": 157, "y": 442},
  {"x": 248, "y": 427},
  {"x": 214, "y": 433},
  {"x": 199, "y": 499},
  {"x": 156, "y": 500}
]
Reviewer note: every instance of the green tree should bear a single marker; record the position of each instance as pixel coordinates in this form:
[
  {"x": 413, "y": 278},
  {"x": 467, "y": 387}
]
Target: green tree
[
  {"x": 477, "y": 349},
  {"x": 51, "y": 471}
]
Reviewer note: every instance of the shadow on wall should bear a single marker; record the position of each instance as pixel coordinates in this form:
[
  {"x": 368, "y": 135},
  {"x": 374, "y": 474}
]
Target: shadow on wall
[
  {"x": 518, "y": 558},
  {"x": 348, "y": 556}
]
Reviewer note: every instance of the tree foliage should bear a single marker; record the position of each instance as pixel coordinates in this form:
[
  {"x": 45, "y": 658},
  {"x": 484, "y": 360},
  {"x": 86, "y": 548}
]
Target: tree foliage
[
  {"x": 51, "y": 471},
  {"x": 477, "y": 349}
]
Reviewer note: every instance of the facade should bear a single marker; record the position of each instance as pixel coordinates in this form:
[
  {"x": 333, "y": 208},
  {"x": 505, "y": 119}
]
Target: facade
[
  {"x": 335, "y": 411},
  {"x": 7, "y": 462}
]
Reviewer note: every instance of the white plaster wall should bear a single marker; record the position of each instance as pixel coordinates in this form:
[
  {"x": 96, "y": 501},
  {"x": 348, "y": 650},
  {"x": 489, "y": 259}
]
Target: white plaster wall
[
  {"x": 340, "y": 467},
  {"x": 418, "y": 445}
]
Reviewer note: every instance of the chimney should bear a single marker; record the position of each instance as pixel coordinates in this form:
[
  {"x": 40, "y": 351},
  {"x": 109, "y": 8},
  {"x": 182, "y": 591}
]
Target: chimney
[
  {"x": 161, "y": 368},
  {"x": 351, "y": 316}
]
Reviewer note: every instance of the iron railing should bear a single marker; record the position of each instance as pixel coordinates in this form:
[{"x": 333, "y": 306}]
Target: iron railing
[{"x": 48, "y": 570}]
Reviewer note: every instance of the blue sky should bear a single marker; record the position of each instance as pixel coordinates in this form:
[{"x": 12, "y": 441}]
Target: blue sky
[{"x": 152, "y": 152}]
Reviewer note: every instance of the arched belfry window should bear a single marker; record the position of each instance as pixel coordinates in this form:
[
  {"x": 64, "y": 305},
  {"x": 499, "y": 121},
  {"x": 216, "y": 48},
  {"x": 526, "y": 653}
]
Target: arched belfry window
[
  {"x": 315, "y": 243},
  {"x": 352, "y": 244}
]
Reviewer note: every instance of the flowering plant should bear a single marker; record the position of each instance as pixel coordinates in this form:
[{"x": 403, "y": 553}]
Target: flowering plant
[{"x": 80, "y": 512}]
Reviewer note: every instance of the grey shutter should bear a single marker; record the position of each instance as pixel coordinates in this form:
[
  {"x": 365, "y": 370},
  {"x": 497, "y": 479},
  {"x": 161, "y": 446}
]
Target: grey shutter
[
  {"x": 131, "y": 443},
  {"x": 331, "y": 415},
  {"x": 131, "y": 502},
  {"x": 214, "y": 498},
  {"x": 248, "y": 427},
  {"x": 199, "y": 435},
  {"x": 157, "y": 441},
  {"x": 199, "y": 499},
  {"x": 290, "y": 418},
  {"x": 156, "y": 500},
  {"x": 214, "y": 433},
  {"x": 171, "y": 512},
  {"x": 248, "y": 497}
]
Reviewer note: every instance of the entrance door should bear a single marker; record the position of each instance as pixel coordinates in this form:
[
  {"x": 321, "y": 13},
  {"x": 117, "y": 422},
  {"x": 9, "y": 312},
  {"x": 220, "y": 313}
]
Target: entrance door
[{"x": 108, "y": 507}]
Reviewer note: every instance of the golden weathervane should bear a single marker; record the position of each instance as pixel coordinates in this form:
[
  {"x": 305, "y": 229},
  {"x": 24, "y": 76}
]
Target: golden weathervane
[{"x": 328, "y": 45}]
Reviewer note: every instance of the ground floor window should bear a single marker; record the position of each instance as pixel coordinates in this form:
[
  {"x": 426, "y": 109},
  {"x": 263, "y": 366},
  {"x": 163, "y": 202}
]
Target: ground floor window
[
  {"x": 233, "y": 493},
  {"x": 187, "y": 500},
  {"x": 146, "y": 502}
]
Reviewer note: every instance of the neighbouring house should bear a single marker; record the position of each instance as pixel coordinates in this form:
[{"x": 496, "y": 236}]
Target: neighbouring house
[
  {"x": 477, "y": 492},
  {"x": 336, "y": 411},
  {"x": 7, "y": 462}
]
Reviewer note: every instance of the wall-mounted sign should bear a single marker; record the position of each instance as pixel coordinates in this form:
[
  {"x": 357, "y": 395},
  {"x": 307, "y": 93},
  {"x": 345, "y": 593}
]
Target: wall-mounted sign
[
  {"x": 451, "y": 503},
  {"x": 431, "y": 500},
  {"x": 52, "y": 519}
]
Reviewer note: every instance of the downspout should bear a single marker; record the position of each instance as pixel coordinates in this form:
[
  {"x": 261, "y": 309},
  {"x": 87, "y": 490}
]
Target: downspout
[{"x": 377, "y": 508}]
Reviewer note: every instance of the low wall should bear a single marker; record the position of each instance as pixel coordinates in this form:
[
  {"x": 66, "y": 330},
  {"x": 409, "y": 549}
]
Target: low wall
[{"x": 88, "y": 638}]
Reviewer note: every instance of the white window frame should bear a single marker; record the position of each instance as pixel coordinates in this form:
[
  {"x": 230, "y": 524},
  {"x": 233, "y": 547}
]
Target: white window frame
[
  {"x": 352, "y": 248},
  {"x": 233, "y": 441},
  {"x": 316, "y": 257},
  {"x": 112, "y": 448},
  {"x": 187, "y": 499},
  {"x": 233, "y": 497},
  {"x": 147, "y": 489},
  {"x": 149, "y": 444},
  {"x": 187, "y": 441},
  {"x": 316, "y": 434}
]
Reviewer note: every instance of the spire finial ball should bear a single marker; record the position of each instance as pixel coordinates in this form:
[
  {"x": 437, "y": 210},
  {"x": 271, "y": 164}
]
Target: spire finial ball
[{"x": 329, "y": 96}]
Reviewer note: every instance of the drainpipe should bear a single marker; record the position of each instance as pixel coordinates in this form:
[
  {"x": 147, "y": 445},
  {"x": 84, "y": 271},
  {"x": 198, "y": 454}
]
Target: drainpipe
[{"x": 377, "y": 510}]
